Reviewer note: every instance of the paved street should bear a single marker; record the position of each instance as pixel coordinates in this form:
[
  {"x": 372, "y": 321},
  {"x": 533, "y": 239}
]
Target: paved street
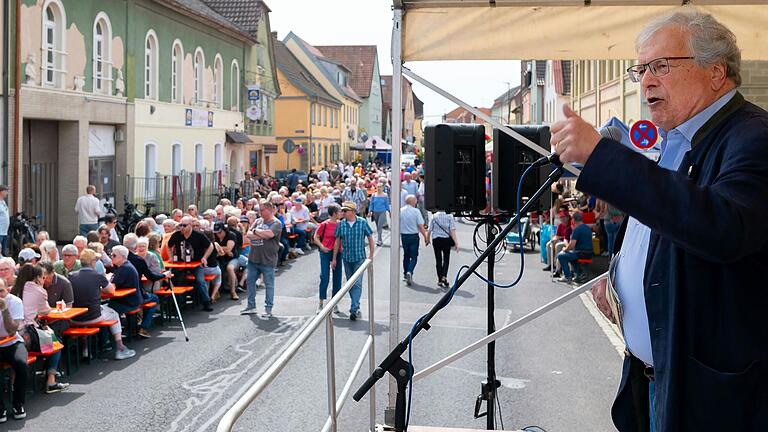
[{"x": 559, "y": 372}]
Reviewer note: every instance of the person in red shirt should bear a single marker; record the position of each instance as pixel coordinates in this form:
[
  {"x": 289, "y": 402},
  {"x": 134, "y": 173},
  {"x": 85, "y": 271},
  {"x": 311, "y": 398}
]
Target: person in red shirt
[
  {"x": 559, "y": 241},
  {"x": 324, "y": 238}
]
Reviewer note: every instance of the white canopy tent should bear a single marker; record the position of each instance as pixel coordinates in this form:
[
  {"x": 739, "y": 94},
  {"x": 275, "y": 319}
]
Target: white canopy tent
[{"x": 428, "y": 30}]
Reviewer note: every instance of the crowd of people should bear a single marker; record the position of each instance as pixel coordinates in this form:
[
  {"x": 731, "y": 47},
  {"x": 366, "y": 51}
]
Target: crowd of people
[{"x": 240, "y": 244}]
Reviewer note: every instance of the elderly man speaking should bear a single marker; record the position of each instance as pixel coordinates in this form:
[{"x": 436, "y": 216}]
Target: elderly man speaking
[{"x": 690, "y": 268}]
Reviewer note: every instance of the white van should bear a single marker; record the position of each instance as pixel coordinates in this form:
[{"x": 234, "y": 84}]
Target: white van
[{"x": 407, "y": 159}]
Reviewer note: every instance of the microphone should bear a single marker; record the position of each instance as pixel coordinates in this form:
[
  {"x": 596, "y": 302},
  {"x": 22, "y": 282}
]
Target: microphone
[{"x": 610, "y": 132}]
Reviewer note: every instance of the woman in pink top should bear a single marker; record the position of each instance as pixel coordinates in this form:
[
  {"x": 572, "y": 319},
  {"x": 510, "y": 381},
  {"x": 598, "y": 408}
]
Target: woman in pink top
[
  {"x": 324, "y": 239},
  {"x": 29, "y": 288}
]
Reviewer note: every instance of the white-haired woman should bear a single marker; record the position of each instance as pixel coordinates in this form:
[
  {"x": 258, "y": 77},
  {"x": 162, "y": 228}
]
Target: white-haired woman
[{"x": 50, "y": 253}]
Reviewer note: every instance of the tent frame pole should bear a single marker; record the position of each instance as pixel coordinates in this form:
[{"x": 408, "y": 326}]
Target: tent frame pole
[
  {"x": 479, "y": 114},
  {"x": 394, "y": 251}
]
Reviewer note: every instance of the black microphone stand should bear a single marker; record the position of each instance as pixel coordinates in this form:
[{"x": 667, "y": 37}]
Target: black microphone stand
[{"x": 402, "y": 370}]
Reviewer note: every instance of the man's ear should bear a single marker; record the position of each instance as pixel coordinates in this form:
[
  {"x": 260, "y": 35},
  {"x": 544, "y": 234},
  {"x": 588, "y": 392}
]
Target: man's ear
[{"x": 718, "y": 74}]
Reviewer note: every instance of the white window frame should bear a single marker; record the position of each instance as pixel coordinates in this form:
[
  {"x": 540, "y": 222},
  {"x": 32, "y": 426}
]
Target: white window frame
[
  {"x": 102, "y": 81},
  {"x": 234, "y": 77},
  {"x": 177, "y": 72},
  {"x": 176, "y": 162},
  {"x": 199, "y": 158},
  {"x": 218, "y": 81},
  {"x": 151, "y": 77},
  {"x": 198, "y": 72},
  {"x": 57, "y": 65},
  {"x": 218, "y": 152}
]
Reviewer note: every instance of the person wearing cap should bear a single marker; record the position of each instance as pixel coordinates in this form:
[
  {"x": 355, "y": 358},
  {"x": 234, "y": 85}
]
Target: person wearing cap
[
  {"x": 579, "y": 246},
  {"x": 351, "y": 234},
  {"x": 227, "y": 252},
  {"x": 5, "y": 219},
  {"x": 558, "y": 242},
  {"x": 28, "y": 255}
]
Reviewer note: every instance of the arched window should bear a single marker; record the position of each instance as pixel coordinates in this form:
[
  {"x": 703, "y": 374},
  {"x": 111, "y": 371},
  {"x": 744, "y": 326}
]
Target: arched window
[
  {"x": 54, "y": 23},
  {"x": 102, "y": 54},
  {"x": 198, "y": 158},
  {"x": 218, "y": 82},
  {"x": 199, "y": 75},
  {"x": 235, "y": 86},
  {"x": 177, "y": 75},
  {"x": 150, "y": 66},
  {"x": 217, "y": 148},
  {"x": 176, "y": 159}
]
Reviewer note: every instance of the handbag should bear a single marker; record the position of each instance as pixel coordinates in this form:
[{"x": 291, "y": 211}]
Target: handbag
[
  {"x": 39, "y": 338},
  {"x": 453, "y": 243}
]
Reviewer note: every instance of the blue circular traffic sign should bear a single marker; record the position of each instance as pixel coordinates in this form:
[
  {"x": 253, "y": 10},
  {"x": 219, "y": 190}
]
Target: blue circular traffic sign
[{"x": 643, "y": 134}]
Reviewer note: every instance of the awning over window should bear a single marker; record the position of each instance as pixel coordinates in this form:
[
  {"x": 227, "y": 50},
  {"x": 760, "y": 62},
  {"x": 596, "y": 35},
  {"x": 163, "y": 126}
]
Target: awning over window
[
  {"x": 557, "y": 29},
  {"x": 237, "y": 138}
]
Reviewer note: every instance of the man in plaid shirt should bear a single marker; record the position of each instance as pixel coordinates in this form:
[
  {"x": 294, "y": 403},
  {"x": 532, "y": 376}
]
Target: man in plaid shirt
[
  {"x": 351, "y": 233},
  {"x": 247, "y": 186}
]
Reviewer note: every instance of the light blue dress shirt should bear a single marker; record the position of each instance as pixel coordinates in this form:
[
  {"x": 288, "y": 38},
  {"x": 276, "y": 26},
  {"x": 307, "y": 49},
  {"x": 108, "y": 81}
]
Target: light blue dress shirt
[
  {"x": 5, "y": 220},
  {"x": 410, "y": 220},
  {"x": 630, "y": 270}
]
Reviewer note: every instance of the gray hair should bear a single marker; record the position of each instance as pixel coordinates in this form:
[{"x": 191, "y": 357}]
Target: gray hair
[
  {"x": 169, "y": 223},
  {"x": 142, "y": 241},
  {"x": 8, "y": 261},
  {"x": 80, "y": 239},
  {"x": 130, "y": 241},
  {"x": 710, "y": 41},
  {"x": 120, "y": 250},
  {"x": 69, "y": 249}
]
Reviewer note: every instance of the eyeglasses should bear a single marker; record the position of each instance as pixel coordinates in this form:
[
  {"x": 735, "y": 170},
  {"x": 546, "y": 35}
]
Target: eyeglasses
[
  {"x": 69, "y": 255},
  {"x": 183, "y": 225},
  {"x": 658, "y": 67},
  {"x": 113, "y": 255}
]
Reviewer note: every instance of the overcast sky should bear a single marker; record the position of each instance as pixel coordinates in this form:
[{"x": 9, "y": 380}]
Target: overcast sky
[{"x": 369, "y": 22}]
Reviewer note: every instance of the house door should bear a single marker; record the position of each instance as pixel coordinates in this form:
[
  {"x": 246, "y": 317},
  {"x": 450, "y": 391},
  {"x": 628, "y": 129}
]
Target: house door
[
  {"x": 101, "y": 161},
  {"x": 40, "y": 171}
]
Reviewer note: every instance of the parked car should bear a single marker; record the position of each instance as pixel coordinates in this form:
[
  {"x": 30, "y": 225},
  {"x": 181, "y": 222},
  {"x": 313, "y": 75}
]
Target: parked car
[{"x": 408, "y": 159}]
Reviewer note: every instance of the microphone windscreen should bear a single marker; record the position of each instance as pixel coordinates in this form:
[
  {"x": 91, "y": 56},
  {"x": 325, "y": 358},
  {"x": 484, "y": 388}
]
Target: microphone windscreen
[{"x": 611, "y": 132}]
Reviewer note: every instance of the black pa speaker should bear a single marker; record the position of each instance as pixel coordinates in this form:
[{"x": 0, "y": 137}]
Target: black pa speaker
[
  {"x": 454, "y": 167},
  {"x": 510, "y": 159}
]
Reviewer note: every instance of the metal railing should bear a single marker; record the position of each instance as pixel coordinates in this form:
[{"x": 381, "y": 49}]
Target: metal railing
[
  {"x": 167, "y": 192},
  {"x": 335, "y": 405}
]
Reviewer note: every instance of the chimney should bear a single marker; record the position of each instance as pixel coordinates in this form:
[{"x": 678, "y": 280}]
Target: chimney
[{"x": 274, "y": 35}]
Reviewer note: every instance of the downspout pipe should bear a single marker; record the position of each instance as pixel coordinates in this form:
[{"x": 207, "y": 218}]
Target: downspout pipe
[
  {"x": 16, "y": 115},
  {"x": 6, "y": 86}
]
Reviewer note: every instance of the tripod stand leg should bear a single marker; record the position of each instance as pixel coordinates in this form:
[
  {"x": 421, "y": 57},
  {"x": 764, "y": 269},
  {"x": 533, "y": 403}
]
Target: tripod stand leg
[{"x": 178, "y": 311}]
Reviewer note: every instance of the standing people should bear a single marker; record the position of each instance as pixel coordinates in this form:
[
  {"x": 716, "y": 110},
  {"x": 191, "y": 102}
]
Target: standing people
[
  {"x": 691, "y": 288},
  {"x": 292, "y": 181},
  {"x": 442, "y": 231},
  {"x": 325, "y": 239},
  {"x": 88, "y": 210},
  {"x": 188, "y": 243},
  {"x": 411, "y": 225},
  {"x": 378, "y": 210},
  {"x": 13, "y": 352},
  {"x": 264, "y": 235},
  {"x": 351, "y": 234},
  {"x": 5, "y": 220},
  {"x": 247, "y": 186}
]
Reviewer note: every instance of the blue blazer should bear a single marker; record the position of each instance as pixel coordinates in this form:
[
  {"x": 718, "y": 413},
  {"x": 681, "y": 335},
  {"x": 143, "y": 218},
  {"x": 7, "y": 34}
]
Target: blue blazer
[{"x": 705, "y": 276}]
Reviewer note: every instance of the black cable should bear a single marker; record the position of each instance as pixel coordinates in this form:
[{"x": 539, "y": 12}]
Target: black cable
[{"x": 498, "y": 404}]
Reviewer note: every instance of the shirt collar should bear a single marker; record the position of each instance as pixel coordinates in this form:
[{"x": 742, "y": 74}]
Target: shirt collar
[{"x": 689, "y": 128}]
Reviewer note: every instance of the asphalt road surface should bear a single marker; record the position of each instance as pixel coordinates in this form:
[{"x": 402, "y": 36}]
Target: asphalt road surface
[{"x": 559, "y": 372}]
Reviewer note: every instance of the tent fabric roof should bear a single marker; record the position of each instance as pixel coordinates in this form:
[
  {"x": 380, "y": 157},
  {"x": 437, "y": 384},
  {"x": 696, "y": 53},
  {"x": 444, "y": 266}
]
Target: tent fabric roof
[{"x": 556, "y": 29}]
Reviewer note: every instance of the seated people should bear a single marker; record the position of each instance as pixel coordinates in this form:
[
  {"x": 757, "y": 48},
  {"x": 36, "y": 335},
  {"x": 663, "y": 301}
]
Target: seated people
[
  {"x": 190, "y": 245},
  {"x": 227, "y": 252},
  {"x": 124, "y": 275},
  {"x": 68, "y": 262},
  {"x": 14, "y": 352},
  {"x": 559, "y": 241},
  {"x": 29, "y": 288},
  {"x": 87, "y": 286},
  {"x": 57, "y": 286},
  {"x": 131, "y": 241},
  {"x": 580, "y": 246}
]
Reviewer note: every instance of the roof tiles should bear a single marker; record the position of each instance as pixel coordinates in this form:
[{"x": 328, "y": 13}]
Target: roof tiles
[{"x": 359, "y": 59}]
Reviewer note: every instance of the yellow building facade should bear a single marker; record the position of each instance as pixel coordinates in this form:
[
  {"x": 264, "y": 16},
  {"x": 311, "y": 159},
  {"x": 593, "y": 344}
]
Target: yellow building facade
[{"x": 306, "y": 116}]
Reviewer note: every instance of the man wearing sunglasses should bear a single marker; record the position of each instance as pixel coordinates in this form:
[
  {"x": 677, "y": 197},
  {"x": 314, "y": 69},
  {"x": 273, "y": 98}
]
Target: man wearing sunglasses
[
  {"x": 190, "y": 245},
  {"x": 690, "y": 264}
]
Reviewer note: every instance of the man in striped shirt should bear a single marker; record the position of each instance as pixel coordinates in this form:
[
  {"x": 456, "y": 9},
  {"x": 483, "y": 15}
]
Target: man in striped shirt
[{"x": 351, "y": 234}]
